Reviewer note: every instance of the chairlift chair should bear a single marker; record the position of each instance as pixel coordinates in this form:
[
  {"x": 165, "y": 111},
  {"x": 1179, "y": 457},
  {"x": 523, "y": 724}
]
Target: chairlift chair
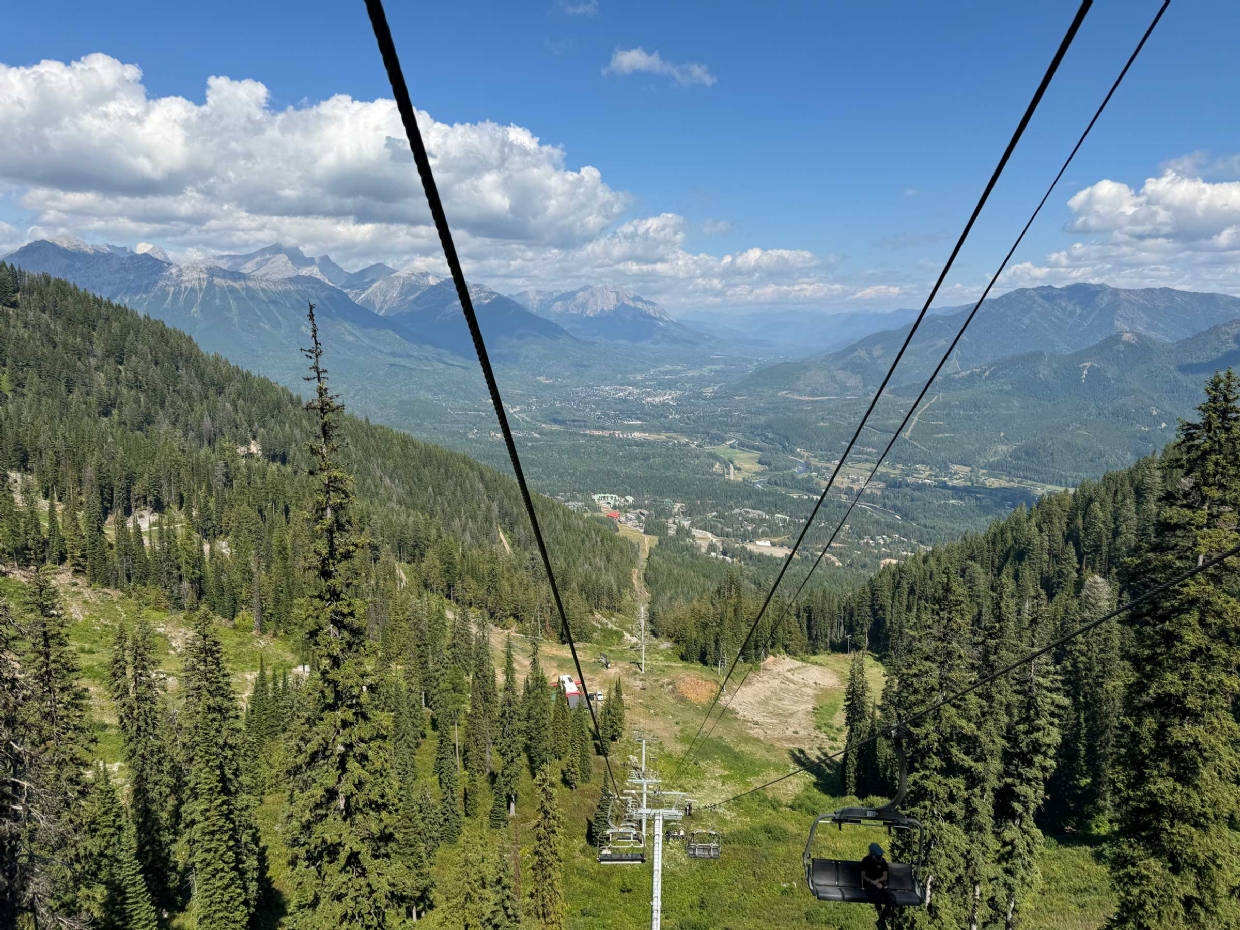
[
  {"x": 840, "y": 879},
  {"x": 704, "y": 844},
  {"x": 674, "y": 834},
  {"x": 624, "y": 845}
]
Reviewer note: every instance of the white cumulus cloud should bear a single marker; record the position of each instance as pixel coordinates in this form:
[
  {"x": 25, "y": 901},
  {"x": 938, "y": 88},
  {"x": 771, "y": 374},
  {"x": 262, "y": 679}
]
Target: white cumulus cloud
[
  {"x": 88, "y": 152},
  {"x": 87, "y": 142},
  {"x": 1176, "y": 230},
  {"x": 638, "y": 60}
]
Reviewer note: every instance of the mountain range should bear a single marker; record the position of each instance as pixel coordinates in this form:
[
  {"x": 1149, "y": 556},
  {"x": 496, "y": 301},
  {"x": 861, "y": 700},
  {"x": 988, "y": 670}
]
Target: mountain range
[
  {"x": 1043, "y": 319},
  {"x": 401, "y": 347},
  {"x": 613, "y": 314},
  {"x": 260, "y": 296}
]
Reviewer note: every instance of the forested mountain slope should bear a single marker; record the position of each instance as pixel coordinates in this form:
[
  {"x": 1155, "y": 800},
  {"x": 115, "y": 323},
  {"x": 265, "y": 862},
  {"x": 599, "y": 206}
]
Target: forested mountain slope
[
  {"x": 1043, "y": 416},
  {"x": 122, "y": 417},
  {"x": 1043, "y": 319},
  {"x": 1126, "y": 735}
]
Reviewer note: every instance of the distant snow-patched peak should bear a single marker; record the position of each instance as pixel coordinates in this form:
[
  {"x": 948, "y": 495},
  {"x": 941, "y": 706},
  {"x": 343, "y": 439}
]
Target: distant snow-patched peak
[
  {"x": 74, "y": 244},
  {"x": 608, "y": 312},
  {"x": 393, "y": 293},
  {"x": 601, "y": 300},
  {"x": 146, "y": 248},
  {"x": 278, "y": 261}
]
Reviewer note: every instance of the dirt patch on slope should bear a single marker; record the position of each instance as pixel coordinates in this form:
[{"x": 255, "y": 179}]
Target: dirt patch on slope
[
  {"x": 698, "y": 690},
  {"x": 777, "y": 702}
]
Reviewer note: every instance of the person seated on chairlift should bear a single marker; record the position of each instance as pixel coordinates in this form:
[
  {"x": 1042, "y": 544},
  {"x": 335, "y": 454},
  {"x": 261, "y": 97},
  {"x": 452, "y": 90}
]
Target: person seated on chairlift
[{"x": 875, "y": 874}]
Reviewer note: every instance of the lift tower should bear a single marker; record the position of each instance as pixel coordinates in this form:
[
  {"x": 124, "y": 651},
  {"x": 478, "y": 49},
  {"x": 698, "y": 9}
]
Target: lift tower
[{"x": 662, "y": 806}]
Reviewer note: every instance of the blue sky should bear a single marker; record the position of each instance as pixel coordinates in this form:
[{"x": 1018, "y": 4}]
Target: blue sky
[{"x": 814, "y": 155}]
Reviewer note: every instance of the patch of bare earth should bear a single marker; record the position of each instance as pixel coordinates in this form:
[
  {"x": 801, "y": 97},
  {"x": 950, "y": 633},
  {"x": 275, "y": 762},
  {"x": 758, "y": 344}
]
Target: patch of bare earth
[
  {"x": 777, "y": 702},
  {"x": 698, "y": 690}
]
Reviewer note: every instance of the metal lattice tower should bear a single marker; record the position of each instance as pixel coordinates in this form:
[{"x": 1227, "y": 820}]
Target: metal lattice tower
[{"x": 659, "y": 805}]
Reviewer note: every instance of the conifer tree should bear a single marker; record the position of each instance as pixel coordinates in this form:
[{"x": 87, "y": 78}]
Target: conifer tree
[
  {"x": 1176, "y": 862},
  {"x": 116, "y": 896},
  {"x": 8, "y": 287},
  {"x": 506, "y": 906},
  {"x": 497, "y": 817},
  {"x": 561, "y": 734},
  {"x": 478, "y": 728},
  {"x": 220, "y": 829},
  {"x": 472, "y": 805},
  {"x": 579, "y": 765},
  {"x": 601, "y": 823},
  {"x": 10, "y": 523},
  {"x": 343, "y": 809},
  {"x": 141, "y": 565},
  {"x": 34, "y": 546},
  {"x": 407, "y": 727},
  {"x": 75, "y": 546},
  {"x": 461, "y": 648},
  {"x": 258, "y": 707},
  {"x": 468, "y": 896},
  {"x": 611, "y": 721},
  {"x": 1033, "y": 730},
  {"x": 15, "y": 766},
  {"x": 509, "y": 740},
  {"x": 55, "y": 541},
  {"x": 149, "y": 753},
  {"x": 547, "y": 871},
  {"x": 536, "y": 714},
  {"x": 55, "y": 728},
  {"x": 857, "y": 715},
  {"x": 94, "y": 543},
  {"x": 416, "y": 843},
  {"x": 449, "y": 787},
  {"x": 938, "y": 660},
  {"x": 1103, "y": 704}
]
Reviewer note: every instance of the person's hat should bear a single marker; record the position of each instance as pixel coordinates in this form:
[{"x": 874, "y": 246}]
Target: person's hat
[{"x": 875, "y": 849}]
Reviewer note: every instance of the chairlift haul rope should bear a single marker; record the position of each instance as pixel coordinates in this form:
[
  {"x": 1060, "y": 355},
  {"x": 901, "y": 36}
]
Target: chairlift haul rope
[
  {"x": 1068, "y": 38},
  {"x": 946, "y": 355},
  {"x": 396, "y": 77}
]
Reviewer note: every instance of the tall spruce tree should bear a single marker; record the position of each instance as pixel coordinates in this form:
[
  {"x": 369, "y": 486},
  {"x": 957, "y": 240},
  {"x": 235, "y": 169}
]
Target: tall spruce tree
[
  {"x": 342, "y": 820},
  {"x": 547, "y": 870},
  {"x": 115, "y": 895},
  {"x": 449, "y": 786},
  {"x": 478, "y": 728},
  {"x": 1031, "y": 740},
  {"x": 536, "y": 714},
  {"x": 1176, "y": 857},
  {"x": 16, "y": 863},
  {"x": 937, "y": 660},
  {"x": 600, "y": 823},
  {"x": 509, "y": 739},
  {"x": 220, "y": 828},
  {"x": 55, "y": 541},
  {"x": 561, "y": 735},
  {"x": 150, "y": 755},
  {"x": 579, "y": 765},
  {"x": 857, "y": 716},
  {"x": 55, "y": 727}
]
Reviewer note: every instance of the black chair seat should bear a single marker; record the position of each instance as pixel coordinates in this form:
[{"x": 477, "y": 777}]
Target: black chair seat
[
  {"x": 704, "y": 852},
  {"x": 840, "y": 880},
  {"x": 618, "y": 858}
]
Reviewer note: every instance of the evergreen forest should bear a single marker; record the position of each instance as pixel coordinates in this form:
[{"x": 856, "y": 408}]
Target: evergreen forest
[{"x": 409, "y": 755}]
